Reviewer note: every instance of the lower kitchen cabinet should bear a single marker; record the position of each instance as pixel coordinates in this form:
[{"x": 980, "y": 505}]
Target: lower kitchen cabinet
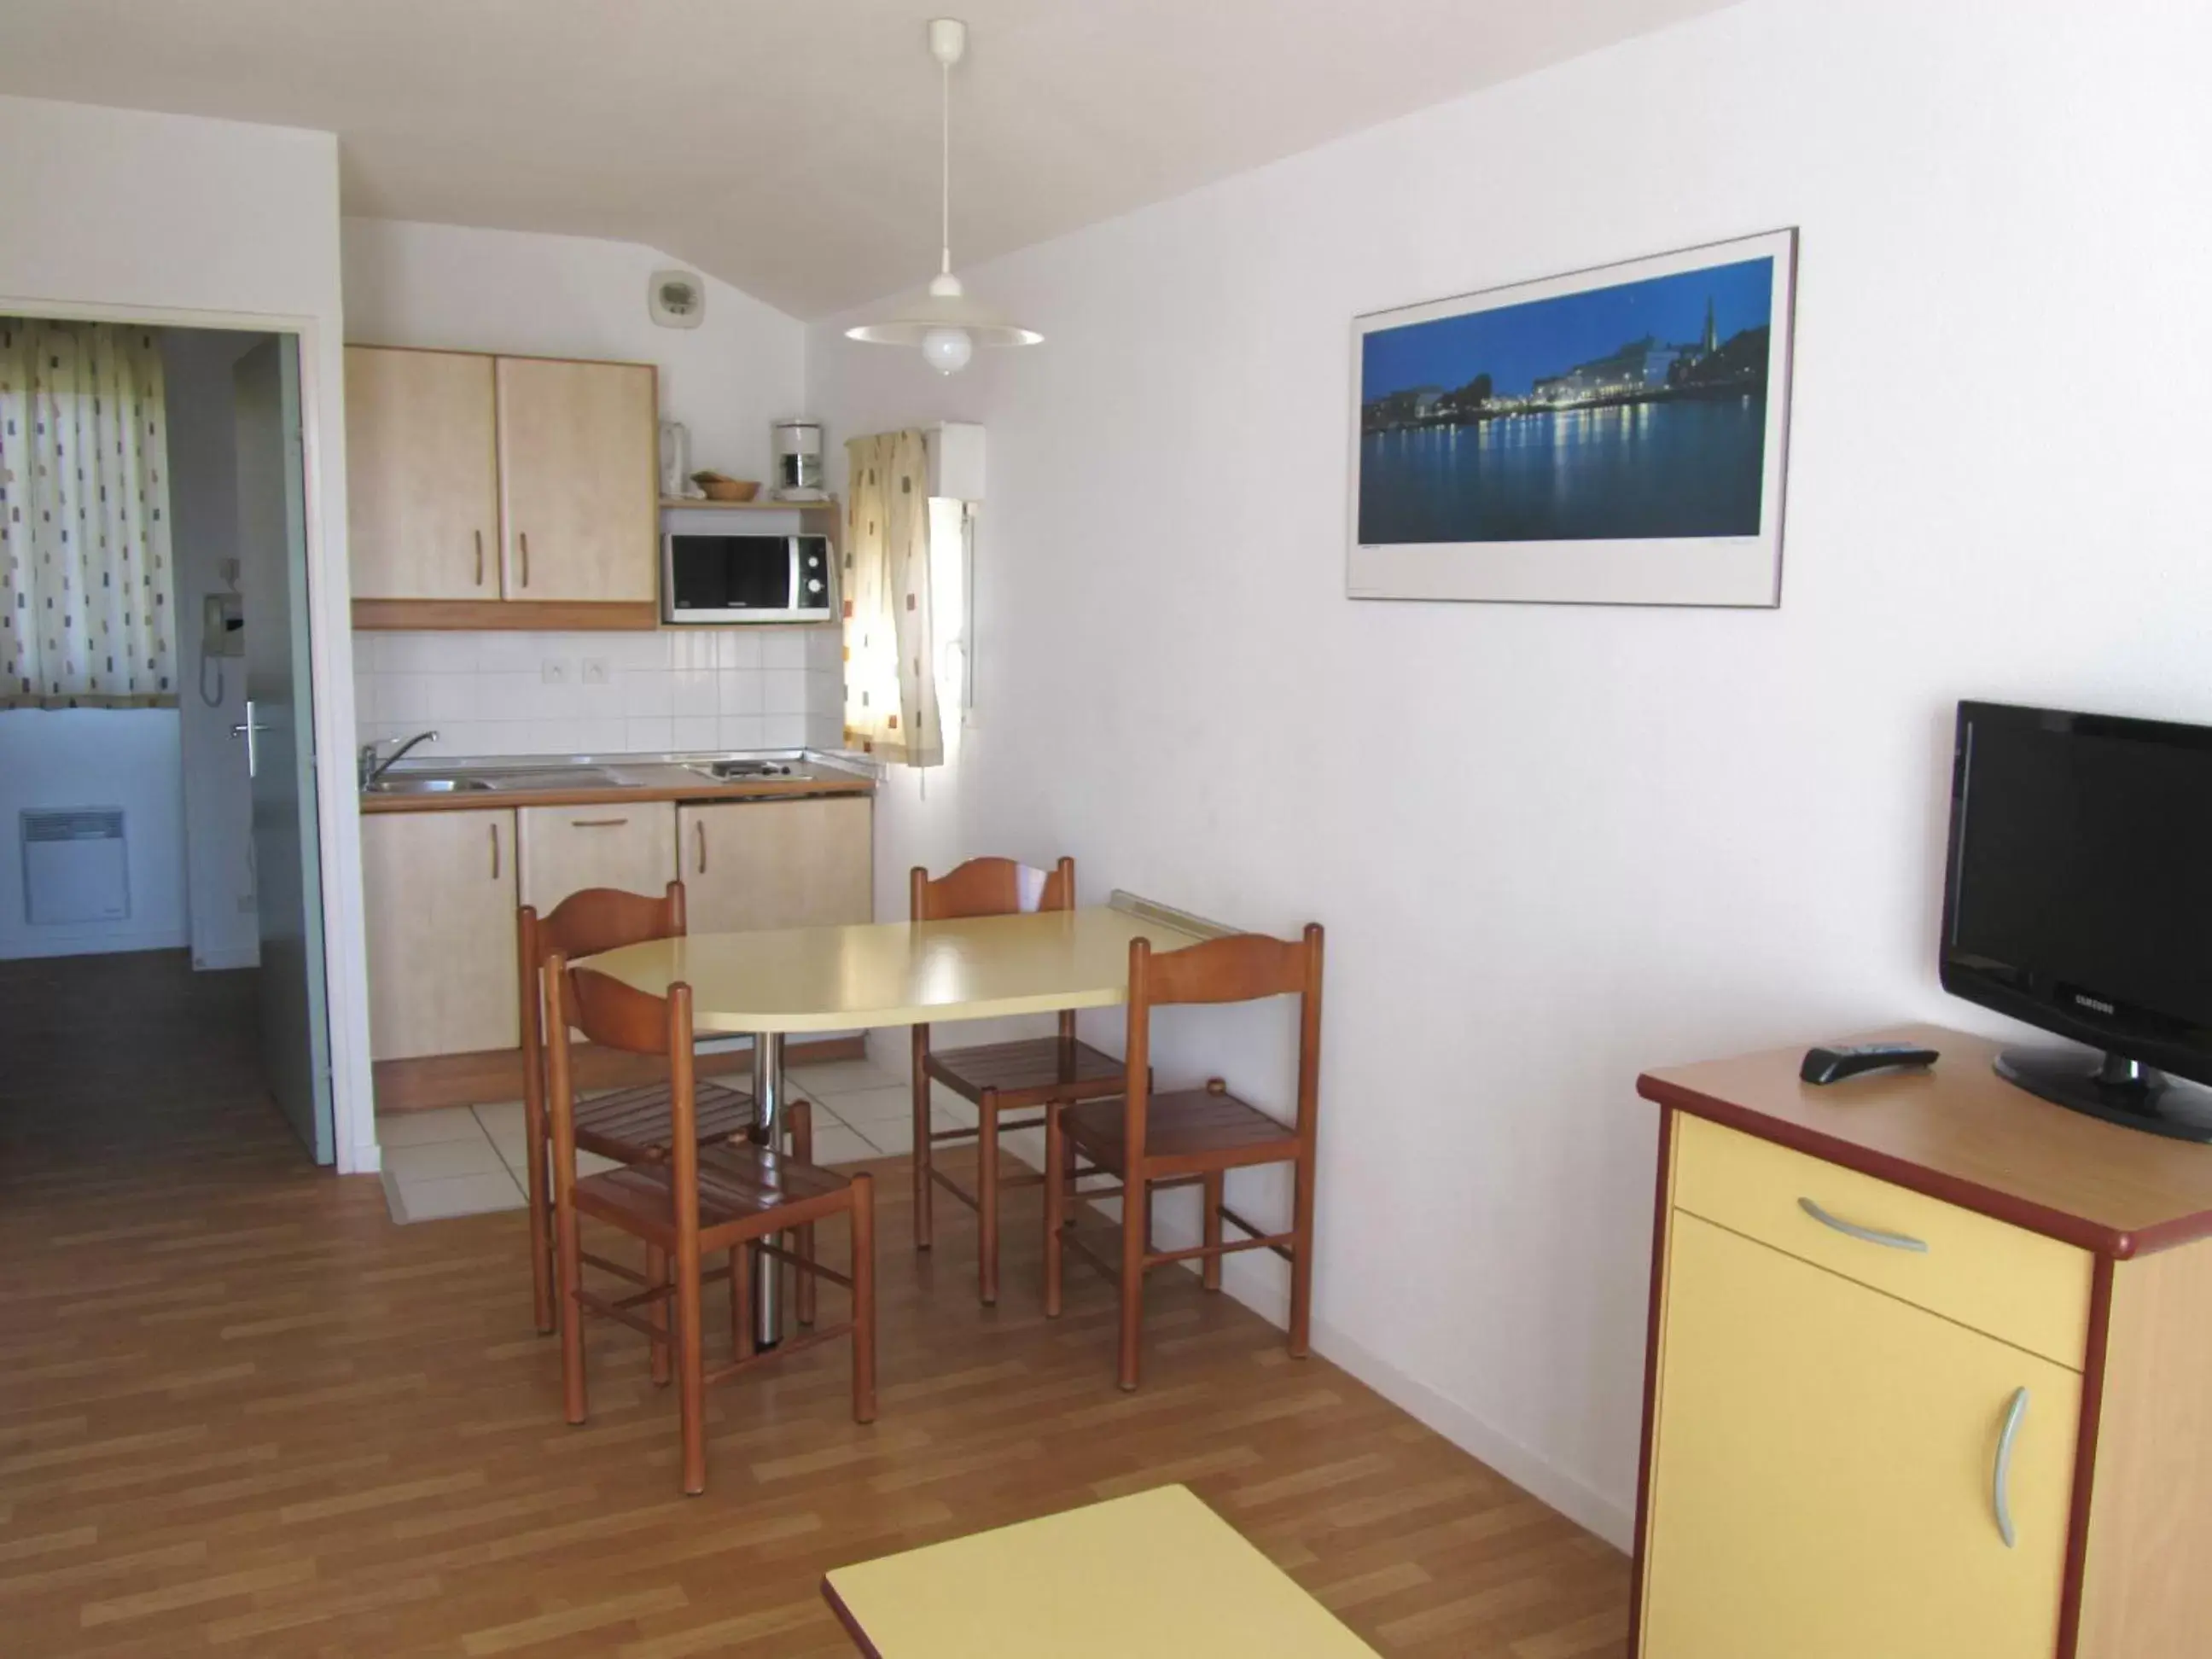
[
  {"x": 777, "y": 862},
  {"x": 631, "y": 846},
  {"x": 441, "y": 895}
]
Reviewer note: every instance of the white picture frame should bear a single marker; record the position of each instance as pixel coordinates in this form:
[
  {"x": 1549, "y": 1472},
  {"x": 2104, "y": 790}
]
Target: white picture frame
[{"x": 1591, "y": 466}]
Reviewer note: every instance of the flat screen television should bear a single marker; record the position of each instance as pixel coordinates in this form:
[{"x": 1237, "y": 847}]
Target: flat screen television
[{"x": 2078, "y": 897}]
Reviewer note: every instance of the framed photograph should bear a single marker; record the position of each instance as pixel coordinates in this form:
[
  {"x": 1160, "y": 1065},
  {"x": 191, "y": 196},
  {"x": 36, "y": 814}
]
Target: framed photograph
[{"x": 1615, "y": 436}]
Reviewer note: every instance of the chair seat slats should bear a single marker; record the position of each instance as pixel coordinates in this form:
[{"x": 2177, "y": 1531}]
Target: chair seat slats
[
  {"x": 1028, "y": 1072},
  {"x": 631, "y": 1125},
  {"x": 1189, "y": 1124}
]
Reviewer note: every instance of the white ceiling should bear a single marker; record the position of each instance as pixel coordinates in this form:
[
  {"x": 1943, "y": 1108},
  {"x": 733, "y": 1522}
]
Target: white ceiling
[{"x": 790, "y": 149}]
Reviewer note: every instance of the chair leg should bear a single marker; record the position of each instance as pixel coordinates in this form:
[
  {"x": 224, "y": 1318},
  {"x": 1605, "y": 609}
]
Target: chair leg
[
  {"x": 1210, "y": 1274},
  {"x": 987, "y": 1198},
  {"x": 656, "y": 1312},
  {"x": 540, "y": 1214},
  {"x": 1301, "y": 1251},
  {"x": 740, "y": 1306},
  {"x": 690, "y": 1371},
  {"x": 922, "y": 1232},
  {"x": 864, "y": 1298},
  {"x": 802, "y": 1148},
  {"x": 1136, "y": 1223},
  {"x": 570, "y": 1251},
  {"x": 1055, "y": 1203}
]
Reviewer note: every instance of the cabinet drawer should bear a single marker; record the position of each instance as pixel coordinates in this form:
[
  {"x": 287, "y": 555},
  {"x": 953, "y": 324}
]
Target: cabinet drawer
[
  {"x": 2013, "y": 1284},
  {"x": 629, "y": 845}
]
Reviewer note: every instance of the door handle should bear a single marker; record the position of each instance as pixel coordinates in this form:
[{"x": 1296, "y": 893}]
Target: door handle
[
  {"x": 247, "y": 728},
  {"x": 699, "y": 840},
  {"x": 597, "y": 824},
  {"x": 1864, "y": 1234},
  {"x": 2001, "y": 1477},
  {"x": 495, "y": 850},
  {"x": 523, "y": 537},
  {"x": 479, "y": 558}
]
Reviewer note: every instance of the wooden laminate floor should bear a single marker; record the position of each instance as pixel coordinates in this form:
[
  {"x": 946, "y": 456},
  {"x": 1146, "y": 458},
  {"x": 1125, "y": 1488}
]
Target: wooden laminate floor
[{"x": 242, "y": 1413}]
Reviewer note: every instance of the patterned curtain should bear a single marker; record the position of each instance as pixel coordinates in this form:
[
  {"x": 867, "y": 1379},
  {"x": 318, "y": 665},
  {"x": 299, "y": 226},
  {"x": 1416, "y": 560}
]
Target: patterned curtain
[
  {"x": 890, "y": 679},
  {"x": 88, "y": 610}
]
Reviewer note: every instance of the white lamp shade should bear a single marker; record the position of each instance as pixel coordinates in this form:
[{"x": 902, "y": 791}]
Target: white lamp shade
[{"x": 914, "y": 317}]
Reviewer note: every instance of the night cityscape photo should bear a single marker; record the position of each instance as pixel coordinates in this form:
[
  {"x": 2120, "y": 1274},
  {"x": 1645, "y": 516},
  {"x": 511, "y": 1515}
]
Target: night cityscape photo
[{"x": 1627, "y": 413}]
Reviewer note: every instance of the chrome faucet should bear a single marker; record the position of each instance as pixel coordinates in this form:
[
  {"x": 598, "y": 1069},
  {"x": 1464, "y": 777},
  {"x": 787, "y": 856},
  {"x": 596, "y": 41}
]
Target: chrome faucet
[{"x": 372, "y": 769}]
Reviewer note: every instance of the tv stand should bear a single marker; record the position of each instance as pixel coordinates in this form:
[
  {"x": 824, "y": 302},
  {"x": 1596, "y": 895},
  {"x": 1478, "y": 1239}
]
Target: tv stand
[{"x": 2113, "y": 1087}]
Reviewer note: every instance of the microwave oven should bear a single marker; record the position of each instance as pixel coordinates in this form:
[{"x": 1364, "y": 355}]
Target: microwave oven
[{"x": 712, "y": 570}]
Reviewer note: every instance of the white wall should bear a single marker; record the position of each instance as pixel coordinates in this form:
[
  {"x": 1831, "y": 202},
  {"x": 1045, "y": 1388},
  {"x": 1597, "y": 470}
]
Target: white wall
[
  {"x": 121, "y": 212},
  {"x": 123, "y": 757},
  {"x": 1555, "y": 846},
  {"x": 218, "y": 826},
  {"x": 466, "y": 289}
]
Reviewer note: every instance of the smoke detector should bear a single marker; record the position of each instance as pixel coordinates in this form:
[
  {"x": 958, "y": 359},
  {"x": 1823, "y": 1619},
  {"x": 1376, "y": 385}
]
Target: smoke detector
[{"x": 677, "y": 299}]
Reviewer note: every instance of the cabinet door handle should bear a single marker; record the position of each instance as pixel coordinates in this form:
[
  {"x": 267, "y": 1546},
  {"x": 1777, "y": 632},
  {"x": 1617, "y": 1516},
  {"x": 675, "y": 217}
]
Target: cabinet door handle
[
  {"x": 699, "y": 840},
  {"x": 2000, "y": 1480},
  {"x": 597, "y": 824},
  {"x": 523, "y": 537},
  {"x": 1864, "y": 1234},
  {"x": 479, "y": 558},
  {"x": 495, "y": 850}
]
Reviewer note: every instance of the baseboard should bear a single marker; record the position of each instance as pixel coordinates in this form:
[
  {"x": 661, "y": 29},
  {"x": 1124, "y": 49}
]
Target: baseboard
[
  {"x": 1249, "y": 1279},
  {"x": 1529, "y": 1470}
]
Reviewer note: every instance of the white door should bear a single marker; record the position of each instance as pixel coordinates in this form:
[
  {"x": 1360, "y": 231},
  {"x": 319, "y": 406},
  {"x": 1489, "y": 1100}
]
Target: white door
[{"x": 279, "y": 732}]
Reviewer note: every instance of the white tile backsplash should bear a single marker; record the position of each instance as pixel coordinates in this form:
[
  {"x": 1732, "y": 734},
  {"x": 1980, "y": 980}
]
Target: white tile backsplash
[{"x": 673, "y": 689}]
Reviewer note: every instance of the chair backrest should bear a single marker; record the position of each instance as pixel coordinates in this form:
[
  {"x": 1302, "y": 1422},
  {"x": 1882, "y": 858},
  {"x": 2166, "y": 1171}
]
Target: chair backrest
[
  {"x": 582, "y": 925},
  {"x": 991, "y": 887},
  {"x": 1234, "y": 968},
  {"x": 613, "y": 1015}
]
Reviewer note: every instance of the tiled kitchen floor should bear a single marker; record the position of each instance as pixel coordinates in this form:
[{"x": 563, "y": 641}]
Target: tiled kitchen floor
[{"x": 469, "y": 1160}]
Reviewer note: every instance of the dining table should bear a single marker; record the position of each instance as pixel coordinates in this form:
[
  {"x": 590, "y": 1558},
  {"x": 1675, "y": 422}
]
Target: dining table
[{"x": 769, "y": 982}]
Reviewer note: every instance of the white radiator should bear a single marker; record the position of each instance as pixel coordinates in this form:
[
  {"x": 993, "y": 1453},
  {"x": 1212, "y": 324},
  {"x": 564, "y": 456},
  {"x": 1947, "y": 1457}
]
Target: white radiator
[{"x": 75, "y": 866}]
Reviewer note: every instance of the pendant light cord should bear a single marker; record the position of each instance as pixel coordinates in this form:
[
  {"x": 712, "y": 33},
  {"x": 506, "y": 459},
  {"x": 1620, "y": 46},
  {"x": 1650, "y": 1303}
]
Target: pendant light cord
[{"x": 945, "y": 166}]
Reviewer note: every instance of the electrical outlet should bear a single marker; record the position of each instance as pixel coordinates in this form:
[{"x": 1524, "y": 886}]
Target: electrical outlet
[
  {"x": 595, "y": 670},
  {"x": 554, "y": 671}
]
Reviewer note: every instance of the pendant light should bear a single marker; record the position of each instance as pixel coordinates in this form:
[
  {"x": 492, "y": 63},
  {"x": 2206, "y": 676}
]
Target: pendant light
[{"x": 942, "y": 320}]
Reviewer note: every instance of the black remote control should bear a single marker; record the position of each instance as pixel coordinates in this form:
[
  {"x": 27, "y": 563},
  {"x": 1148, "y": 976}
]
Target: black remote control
[{"x": 1834, "y": 1064}]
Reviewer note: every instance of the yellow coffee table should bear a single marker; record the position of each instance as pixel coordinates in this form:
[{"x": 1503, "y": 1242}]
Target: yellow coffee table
[{"x": 1158, "y": 1574}]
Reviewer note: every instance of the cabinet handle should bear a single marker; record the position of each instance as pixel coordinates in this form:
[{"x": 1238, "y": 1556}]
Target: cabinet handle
[
  {"x": 523, "y": 537},
  {"x": 597, "y": 824},
  {"x": 2001, "y": 1480},
  {"x": 479, "y": 558},
  {"x": 495, "y": 850},
  {"x": 1864, "y": 1234},
  {"x": 699, "y": 840}
]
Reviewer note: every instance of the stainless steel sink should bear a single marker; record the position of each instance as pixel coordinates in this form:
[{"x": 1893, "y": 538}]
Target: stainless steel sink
[
  {"x": 405, "y": 784},
  {"x": 551, "y": 777}
]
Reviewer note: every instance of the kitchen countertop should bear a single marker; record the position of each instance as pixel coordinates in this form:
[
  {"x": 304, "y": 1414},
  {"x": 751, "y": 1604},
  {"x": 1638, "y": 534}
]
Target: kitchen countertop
[{"x": 644, "y": 778}]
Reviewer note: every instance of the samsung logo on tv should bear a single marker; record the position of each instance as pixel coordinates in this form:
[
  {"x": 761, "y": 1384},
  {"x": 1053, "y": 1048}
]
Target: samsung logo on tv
[{"x": 2092, "y": 1002}]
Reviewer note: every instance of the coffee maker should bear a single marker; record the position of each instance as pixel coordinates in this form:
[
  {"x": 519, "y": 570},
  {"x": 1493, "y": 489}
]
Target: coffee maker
[{"x": 798, "y": 445}]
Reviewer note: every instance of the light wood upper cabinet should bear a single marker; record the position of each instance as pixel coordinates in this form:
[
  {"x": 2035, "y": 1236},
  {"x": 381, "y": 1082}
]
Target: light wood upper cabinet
[
  {"x": 567, "y": 849},
  {"x": 776, "y": 863},
  {"x": 422, "y": 502},
  {"x": 578, "y": 478},
  {"x": 440, "y": 891}
]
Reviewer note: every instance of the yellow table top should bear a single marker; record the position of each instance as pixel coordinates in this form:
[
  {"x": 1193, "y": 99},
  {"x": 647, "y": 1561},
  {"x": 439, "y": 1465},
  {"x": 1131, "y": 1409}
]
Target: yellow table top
[
  {"x": 896, "y": 973},
  {"x": 1155, "y": 1574}
]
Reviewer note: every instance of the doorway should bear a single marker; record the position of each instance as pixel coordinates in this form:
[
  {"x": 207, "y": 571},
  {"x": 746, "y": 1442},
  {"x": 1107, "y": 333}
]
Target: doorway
[{"x": 156, "y": 525}]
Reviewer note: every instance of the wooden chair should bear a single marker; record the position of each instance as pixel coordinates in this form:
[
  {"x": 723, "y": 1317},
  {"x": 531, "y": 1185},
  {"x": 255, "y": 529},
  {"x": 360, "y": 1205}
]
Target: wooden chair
[
  {"x": 722, "y": 1197},
  {"x": 998, "y": 1077},
  {"x": 1193, "y": 1136},
  {"x": 629, "y": 1124}
]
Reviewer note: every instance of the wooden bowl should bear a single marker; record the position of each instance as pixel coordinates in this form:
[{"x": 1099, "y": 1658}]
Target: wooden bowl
[{"x": 719, "y": 488}]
